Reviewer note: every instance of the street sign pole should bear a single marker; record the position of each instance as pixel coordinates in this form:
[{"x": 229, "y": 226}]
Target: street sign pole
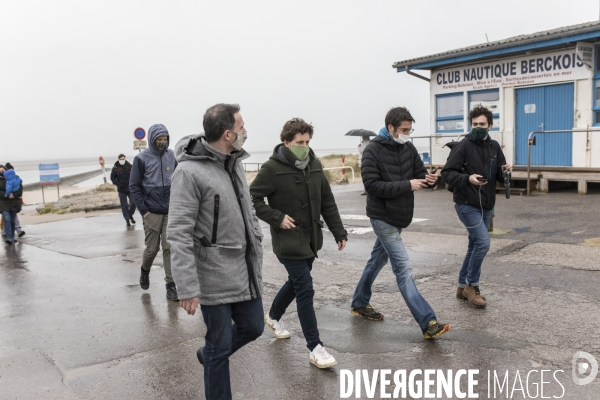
[
  {"x": 101, "y": 160},
  {"x": 43, "y": 197},
  {"x": 139, "y": 143}
]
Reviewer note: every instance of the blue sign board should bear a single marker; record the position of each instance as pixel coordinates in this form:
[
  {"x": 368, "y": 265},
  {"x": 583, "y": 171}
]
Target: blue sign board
[
  {"x": 139, "y": 133},
  {"x": 49, "y": 174}
]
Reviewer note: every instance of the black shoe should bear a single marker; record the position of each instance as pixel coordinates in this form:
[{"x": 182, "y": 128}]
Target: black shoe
[
  {"x": 364, "y": 193},
  {"x": 132, "y": 220},
  {"x": 128, "y": 224},
  {"x": 200, "y": 356},
  {"x": 145, "y": 279},
  {"x": 171, "y": 291},
  {"x": 8, "y": 242},
  {"x": 21, "y": 234},
  {"x": 369, "y": 313},
  {"x": 435, "y": 329}
]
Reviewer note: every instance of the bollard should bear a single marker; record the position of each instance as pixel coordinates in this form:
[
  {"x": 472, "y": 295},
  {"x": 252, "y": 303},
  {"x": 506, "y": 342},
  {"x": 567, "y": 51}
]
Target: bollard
[
  {"x": 491, "y": 225},
  {"x": 344, "y": 179}
]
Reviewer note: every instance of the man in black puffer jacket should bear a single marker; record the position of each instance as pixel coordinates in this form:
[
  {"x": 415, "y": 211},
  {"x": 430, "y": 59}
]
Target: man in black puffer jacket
[
  {"x": 473, "y": 167},
  {"x": 120, "y": 178},
  {"x": 392, "y": 170}
]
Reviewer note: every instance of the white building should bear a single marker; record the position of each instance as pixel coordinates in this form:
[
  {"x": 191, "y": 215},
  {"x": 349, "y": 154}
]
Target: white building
[{"x": 539, "y": 82}]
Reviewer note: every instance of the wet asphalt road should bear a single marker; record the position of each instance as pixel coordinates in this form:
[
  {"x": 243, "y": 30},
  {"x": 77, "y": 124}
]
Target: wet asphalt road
[{"x": 74, "y": 323}]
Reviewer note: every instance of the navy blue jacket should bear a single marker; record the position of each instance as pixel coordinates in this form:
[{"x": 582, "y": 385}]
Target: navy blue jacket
[{"x": 150, "y": 180}]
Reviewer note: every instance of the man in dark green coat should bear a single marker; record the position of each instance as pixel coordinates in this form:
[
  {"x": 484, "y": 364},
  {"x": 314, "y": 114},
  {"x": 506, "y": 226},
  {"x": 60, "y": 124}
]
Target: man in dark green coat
[{"x": 298, "y": 193}]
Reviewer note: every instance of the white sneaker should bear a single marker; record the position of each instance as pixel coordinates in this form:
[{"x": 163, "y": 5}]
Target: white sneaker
[
  {"x": 321, "y": 358},
  {"x": 278, "y": 328}
]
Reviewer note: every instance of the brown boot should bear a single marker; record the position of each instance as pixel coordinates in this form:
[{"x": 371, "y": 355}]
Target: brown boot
[
  {"x": 472, "y": 294},
  {"x": 460, "y": 295}
]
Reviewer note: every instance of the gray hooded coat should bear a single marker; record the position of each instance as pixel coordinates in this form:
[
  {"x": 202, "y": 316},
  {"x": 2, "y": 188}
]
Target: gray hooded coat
[
  {"x": 215, "y": 236},
  {"x": 150, "y": 179}
]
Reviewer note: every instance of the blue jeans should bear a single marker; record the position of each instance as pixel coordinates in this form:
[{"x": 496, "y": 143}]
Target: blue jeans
[
  {"x": 224, "y": 338},
  {"x": 127, "y": 209},
  {"x": 10, "y": 221},
  {"x": 299, "y": 286},
  {"x": 389, "y": 246},
  {"x": 479, "y": 242}
]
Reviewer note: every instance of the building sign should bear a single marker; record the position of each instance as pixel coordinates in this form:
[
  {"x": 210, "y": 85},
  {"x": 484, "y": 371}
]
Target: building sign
[
  {"x": 528, "y": 70},
  {"x": 585, "y": 54},
  {"x": 49, "y": 174}
]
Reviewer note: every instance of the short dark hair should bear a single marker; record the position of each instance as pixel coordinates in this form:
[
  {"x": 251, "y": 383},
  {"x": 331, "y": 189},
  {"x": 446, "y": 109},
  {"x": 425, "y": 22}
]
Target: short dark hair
[
  {"x": 218, "y": 119},
  {"x": 479, "y": 111},
  {"x": 293, "y": 127},
  {"x": 396, "y": 115},
  {"x": 122, "y": 155}
]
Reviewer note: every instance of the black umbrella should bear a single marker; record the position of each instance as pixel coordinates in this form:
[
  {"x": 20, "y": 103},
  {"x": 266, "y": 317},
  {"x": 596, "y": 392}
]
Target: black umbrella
[{"x": 360, "y": 132}]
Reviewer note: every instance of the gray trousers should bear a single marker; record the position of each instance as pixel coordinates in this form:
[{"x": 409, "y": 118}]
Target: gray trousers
[{"x": 155, "y": 228}]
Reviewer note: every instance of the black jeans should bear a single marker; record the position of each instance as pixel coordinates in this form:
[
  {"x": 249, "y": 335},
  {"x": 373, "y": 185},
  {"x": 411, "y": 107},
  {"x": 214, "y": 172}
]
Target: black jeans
[
  {"x": 127, "y": 209},
  {"x": 224, "y": 338},
  {"x": 299, "y": 286}
]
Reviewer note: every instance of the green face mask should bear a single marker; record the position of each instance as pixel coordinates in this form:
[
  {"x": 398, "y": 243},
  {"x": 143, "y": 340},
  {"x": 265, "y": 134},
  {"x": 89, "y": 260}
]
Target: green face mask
[
  {"x": 300, "y": 152},
  {"x": 479, "y": 133}
]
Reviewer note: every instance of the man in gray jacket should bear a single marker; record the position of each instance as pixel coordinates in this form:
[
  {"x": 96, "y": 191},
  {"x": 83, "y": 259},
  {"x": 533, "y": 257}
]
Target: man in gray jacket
[{"x": 215, "y": 240}]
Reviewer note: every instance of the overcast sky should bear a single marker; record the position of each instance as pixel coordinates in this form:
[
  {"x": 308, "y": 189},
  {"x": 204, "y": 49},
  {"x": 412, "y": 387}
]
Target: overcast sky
[{"x": 77, "y": 77}]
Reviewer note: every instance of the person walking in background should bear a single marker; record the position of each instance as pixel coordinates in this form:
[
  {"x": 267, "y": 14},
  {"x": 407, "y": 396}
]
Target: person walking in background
[
  {"x": 361, "y": 148},
  {"x": 119, "y": 176},
  {"x": 18, "y": 230},
  {"x": 392, "y": 171},
  {"x": 216, "y": 241},
  {"x": 298, "y": 192},
  {"x": 10, "y": 204},
  {"x": 150, "y": 185}
]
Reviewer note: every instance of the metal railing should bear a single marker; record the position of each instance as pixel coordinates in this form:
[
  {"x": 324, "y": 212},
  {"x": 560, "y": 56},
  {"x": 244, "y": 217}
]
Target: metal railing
[
  {"x": 352, "y": 169},
  {"x": 438, "y": 136},
  {"x": 258, "y": 166},
  {"x": 531, "y": 142}
]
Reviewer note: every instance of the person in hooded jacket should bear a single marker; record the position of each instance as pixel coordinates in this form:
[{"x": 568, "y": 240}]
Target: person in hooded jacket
[
  {"x": 392, "y": 171},
  {"x": 119, "y": 176},
  {"x": 9, "y": 206},
  {"x": 298, "y": 192},
  {"x": 216, "y": 243},
  {"x": 18, "y": 229},
  {"x": 473, "y": 167},
  {"x": 150, "y": 185}
]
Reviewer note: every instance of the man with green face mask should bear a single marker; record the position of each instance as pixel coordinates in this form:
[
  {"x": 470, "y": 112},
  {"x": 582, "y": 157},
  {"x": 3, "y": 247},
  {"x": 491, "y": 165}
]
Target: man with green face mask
[
  {"x": 472, "y": 169},
  {"x": 298, "y": 193}
]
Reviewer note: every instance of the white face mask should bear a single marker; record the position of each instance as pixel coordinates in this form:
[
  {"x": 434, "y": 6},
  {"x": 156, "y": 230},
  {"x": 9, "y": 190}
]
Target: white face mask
[
  {"x": 239, "y": 142},
  {"x": 122, "y": 162},
  {"x": 401, "y": 138}
]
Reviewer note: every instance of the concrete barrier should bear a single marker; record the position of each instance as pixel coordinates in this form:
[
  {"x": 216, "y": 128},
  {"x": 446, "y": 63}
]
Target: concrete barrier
[{"x": 68, "y": 180}]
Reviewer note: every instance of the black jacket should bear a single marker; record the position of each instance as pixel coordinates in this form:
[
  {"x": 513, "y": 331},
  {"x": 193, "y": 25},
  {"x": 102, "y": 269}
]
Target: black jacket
[
  {"x": 6, "y": 204},
  {"x": 119, "y": 176},
  {"x": 387, "y": 167},
  {"x": 468, "y": 157}
]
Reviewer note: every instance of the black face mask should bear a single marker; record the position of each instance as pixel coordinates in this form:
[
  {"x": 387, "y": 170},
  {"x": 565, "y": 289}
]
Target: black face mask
[{"x": 479, "y": 133}]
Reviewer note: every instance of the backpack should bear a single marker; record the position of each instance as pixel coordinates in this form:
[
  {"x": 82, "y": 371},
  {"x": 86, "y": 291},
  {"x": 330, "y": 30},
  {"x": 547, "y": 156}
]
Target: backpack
[{"x": 452, "y": 146}]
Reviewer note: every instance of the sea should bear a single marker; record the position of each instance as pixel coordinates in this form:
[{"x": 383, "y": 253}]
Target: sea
[{"x": 29, "y": 170}]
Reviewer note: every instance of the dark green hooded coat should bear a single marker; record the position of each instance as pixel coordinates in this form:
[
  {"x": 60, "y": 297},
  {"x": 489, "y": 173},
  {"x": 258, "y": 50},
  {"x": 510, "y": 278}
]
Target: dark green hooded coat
[{"x": 304, "y": 196}]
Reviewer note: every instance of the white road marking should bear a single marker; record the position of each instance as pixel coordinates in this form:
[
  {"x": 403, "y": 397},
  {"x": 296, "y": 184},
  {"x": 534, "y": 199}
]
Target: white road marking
[{"x": 362, "y": 230}]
